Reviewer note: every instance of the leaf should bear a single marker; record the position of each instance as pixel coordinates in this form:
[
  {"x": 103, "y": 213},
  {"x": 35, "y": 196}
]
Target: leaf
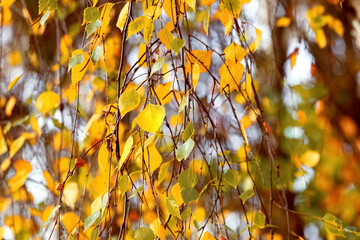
[
  {"x": 186, "y": 213},
  {"x": 75, "y": 60},
  {"x": 333, "y": 225},
  {"x": 43, "y": 5},
  {"x": 47, "y": 101},
  {"x": 152, "y": 154},
  {"x": 103, "y": 158},
  {"x": 177, "y": 44},
  {"x": 122, "y": 16},
  {"x": 188, "y": 131},
  {"x": 246, "y": 195},
  {"x": 163, "y": 92},
  {"x": 52, "y": 215},
  {"x": 128, "y": 101},
  {"x": 91, "y": 14},
  {"x": 92, "y": 27},
  {"x": 105, "y": 13},
  {"x": 163, "y": 171},
  {"x": 255, "y": 45},
  {"x": 231, "y": 177},
  {"x": 78, "y": 71},
  {"x": 16, "y": 145},
  {"x": 23, "y": 168},
  {"x": 151, "y": 118},
  {"x": 172, "y": 206},
  {"x": 49, "y": 181},
  {"x": 283, "y": 22},
  {"x": 70, "y": 221},
  {"x": 95, "y": 54},
  {"x": 320, "y": 38},
  {"x": 89, "y": 221},
  {"x": 125, "y": 153},
  {"x": 141, "y": 188},
  {"x": 310, "y": 158},
  {"x": 187, "y": 179},
  {"x": 208, "y": 236},
  {"x": 184, "y": 150},
  {"x": 157, "y": 65},
  {"x": 148, "y": 30},
  {"x": 206, "y": 21},
  {"x": 234, "y": 52},
  {"x": 44, "y": 18},
  {"x": 203, "y": 58},
  {"x": 259, "y": 220},
  {"x": 93, "y": 119},
  {"x": 167, "y": 38},
  {"x": 158, "y": 228},
  {"x": 124, "y": 183},
  {"x": 144, "y": 233},
  {"x": 243, "y": 132},
  {"x": 235, "y": 6},
  {"x": 136, "y": 25},
  {"x": 191, "y": 3},
  {"x": 13, "y": 82},
  {"x": 189, "y": 194},
  {"x": 195, "y": 74}
]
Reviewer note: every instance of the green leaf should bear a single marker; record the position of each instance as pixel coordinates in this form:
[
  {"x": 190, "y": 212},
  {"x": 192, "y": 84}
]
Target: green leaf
[
  {"x": 186, "y": 213},
  {"x": 184, "y": 150},
  {"x": 52, "y": 215},
  {"x": 333, "y": 225},
  {"x": 137, "y": 190},
  {"x": 246, "y": 195},
  {"x": 188, "y": 131},
  {"x": 44, "y": 18},
  {"x": 123, "y": 184},
  {"x": 189, "y": 194},
  {"x": 196, "y": 224},
  {"x": 89, "y": 221},
  {"x": 43, "y": 5},
  {"x": 206, "y": 21},
  {"x": 231, "y": 177},
  {"x": 187, "y": 179},
  {"x": 128, "y": 101},
  {"x": 75, "y": 60},
  {"x": 144, "y": 233},
  {"x": 163, "y": 171},
  {"x": 172, "y": 206},
  {"x": 92, "y": 27},
  {"x": 95, "y": 55},
  {"x": 259, "y": 220},
  {"x": 157, "y": 65},
  {"x": 52, "y": 5},
  {"x": 136, "y": 25},
  {"x": 91, "y": 14},
  {"x": 177, "y": 44},
  {"x": 183, "y": 104}
]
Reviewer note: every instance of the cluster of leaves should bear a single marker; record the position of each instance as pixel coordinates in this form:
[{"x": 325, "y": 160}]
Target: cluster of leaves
[{"x": 152, "y": 144}]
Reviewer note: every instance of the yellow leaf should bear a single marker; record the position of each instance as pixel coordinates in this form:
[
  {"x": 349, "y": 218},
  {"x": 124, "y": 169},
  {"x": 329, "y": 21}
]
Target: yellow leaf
[
  {"x": 293, "y": 57},
  {"x": 14, "y": 58},
  {"x": 166, "y": 36},
  {"x": 226, "y": 19},
  {"x": 105, "y": 17},
  {"x": 234, "y": 52},
  {"x": 243, "y": 132},
  {"x": 3, "y": 145},
  {"x": 207, "y": 2},
  {"x": 320, "y": 38},
  {"x": 152, "y": 155},
  {"x": 16, "y": 145},
  {"x": 4, "y": 203},
  {"x": 137, "y": 25},
  {"x": 47, "y": 101},
  {"x": 202, "y": 58},
  {"x": 195, "y": 75},
  {"x": 128, "y": 101},
  {"x": 142, "y": 55},
  {"x": 49, "y": 182},
  {"x": 46, "y": 212},
  {"x": 191, "y": 3},
  {"x": 163, "y": 92},
  {"x": 10, "y": 106},
  {"x": 71, "y": 194},
  {"x": 96, "y": 204},
  {"x": 94, "y": 117},
  {"x": 337, "y": 25},
  {"x": 13, "y": 82},
  {"x": 151, "y": 118},
  {"x": 6, "y": 4},
  {"x": 71, "y": 92},
  {"x": 5, "y": 164},
  {"x": 283, "y": 22},
  {"x": 176, "y": 191},
  {"x": 148, "y": 30},
  {"x": 231, "y": 73},
  {"x": 35, "y": 125},
  {"x": 103, "y": 158},
  {"x": 70, "y": 221},
  {"x": 122, "y": 17},
  {"x": 78, "y": 71},
  {"x": 127, "y": 148},
  {"x": 200, "y": 214},
  {"x": 208, "y": 236},
  {"x": 255, "y": 45},
  {"x": 169, "y": 8},
  {"x": 310, "y": 158},
  {"x": 158, "y": 228},
  {"x": 2, "y": 232},
  {"x": 22, "y": 168}
]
